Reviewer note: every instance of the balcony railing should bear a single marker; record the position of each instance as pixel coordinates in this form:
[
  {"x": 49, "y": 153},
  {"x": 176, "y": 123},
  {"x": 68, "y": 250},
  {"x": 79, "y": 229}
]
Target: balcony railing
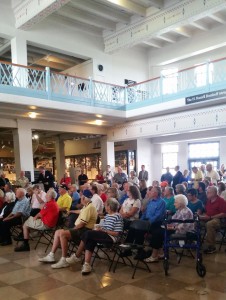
[{"x": 45, "y": 84}]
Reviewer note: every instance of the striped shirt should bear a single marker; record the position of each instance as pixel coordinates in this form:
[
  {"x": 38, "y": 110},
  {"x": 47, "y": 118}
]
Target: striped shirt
[{"x": 113, "y": 223}]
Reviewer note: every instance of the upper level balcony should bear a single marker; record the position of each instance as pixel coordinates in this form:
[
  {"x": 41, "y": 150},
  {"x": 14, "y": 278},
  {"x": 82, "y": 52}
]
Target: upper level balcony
[{"x": 173, "y": 85}]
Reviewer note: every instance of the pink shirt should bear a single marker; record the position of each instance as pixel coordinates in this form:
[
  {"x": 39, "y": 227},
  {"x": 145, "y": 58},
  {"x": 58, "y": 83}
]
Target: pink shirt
[{"x": 34, "y": 201}]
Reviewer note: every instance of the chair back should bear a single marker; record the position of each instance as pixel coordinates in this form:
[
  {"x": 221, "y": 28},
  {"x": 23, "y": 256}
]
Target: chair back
[{"x": 140, "y": 225}]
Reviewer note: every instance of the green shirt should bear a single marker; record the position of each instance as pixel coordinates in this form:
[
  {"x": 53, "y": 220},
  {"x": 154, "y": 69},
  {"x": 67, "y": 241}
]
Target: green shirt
[{"x": 170, "y": 204}]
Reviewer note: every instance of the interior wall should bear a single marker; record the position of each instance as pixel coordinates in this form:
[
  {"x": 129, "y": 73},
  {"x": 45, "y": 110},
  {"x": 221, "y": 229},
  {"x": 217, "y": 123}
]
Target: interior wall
[
  {"x": 84, "y": 70},
  {"x": 86, "y": 146}
]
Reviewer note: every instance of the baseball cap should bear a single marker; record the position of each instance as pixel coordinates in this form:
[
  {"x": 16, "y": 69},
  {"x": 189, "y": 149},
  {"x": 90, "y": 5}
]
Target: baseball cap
[
  {"x": 87, "y": 194},
  {"x": 63, "y": 186},
  {"x": 164, "y": 184}
]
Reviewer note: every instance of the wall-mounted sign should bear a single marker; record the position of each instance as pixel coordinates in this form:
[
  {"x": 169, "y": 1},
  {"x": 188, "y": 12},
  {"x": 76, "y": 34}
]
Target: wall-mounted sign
[{"x": 206, "y": 96}]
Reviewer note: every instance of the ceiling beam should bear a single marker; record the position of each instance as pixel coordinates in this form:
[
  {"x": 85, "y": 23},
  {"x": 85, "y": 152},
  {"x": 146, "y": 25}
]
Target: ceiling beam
[
  {"x": 156, "y": 44},
  {"x": 218, "y": 17},
  {"x": 83, "y": 17},
  {"x": 54, "y": 65},
  {"x": 185, "y": 12},
  {"x": 157, "y": 3},
  {"x": 183, "y": 31},
  {"x": 128, "y": 6},
  {"x": 167, "y": 38},
  {"x": 31, "y": 12},
  {"x": 200, "y": 25},
  {"x": 4, "y": 48},
  {"x": 101, "y": 11}
]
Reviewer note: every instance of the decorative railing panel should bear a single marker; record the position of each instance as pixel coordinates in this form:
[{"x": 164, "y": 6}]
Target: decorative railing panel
[
  {"x": 62, "y": 87},
  {"x": 65, "y": 85},
  {"x": 108, "y": 93}
]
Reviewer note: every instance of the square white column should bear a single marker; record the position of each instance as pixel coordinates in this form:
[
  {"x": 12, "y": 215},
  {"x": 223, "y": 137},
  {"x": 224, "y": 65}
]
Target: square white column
[
  {"x": 22, "y": 139},
  {"x": 144, "y": 157},
  {"x": 107, "y": 153},
  {"x": 60, "y": 159}
]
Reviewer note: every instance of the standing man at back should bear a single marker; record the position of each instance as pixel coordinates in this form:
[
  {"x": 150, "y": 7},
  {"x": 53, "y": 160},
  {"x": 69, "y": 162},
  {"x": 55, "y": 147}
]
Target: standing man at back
[
  {"x": 45, "y": 177},
  {"x": 177, "y": 177},
  {"x": 212, "y": 174},
  {"x": 167, "y": 176},
  {"x": 143, "y": 174}
]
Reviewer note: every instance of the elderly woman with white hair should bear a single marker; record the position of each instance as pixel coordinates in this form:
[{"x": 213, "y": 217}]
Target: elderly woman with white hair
[
  {"x": 8, "y": 204},
  {"x": 182, "y": 213}
]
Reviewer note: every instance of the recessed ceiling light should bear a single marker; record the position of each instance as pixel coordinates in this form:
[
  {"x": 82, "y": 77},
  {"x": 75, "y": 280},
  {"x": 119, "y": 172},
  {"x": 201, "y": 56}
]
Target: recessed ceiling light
[
  {"x": 32, "y": 107},
  {"x": 32, "y": 114},
  {"x": 99, "y": 116}
]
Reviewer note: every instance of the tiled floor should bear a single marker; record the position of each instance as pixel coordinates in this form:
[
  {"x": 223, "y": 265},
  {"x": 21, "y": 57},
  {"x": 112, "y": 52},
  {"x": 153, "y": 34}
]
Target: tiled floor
[{"x": 23, "y": 277}]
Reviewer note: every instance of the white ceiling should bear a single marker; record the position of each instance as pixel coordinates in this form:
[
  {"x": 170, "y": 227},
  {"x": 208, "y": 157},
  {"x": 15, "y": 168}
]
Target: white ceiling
[{"x": 104, "y": 17}]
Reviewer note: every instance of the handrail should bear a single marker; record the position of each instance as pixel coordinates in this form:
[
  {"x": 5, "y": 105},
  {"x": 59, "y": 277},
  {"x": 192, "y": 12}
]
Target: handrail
[
  {"x": 52, "y": 84},
  {"x": 22, "y": 66}
]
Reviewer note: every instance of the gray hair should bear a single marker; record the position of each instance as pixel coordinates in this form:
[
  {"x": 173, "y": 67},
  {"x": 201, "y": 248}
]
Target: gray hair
[
  {"x": 114, "y": 191},
  {"x": 182, "y": 199},
  {"x": 52, "y": 194},
  {"x": 113, "y": 204},
  {"x": 170, "y": 189},
  {"x": 181, "y": 188},
  {"x": 11, "y": 196}
]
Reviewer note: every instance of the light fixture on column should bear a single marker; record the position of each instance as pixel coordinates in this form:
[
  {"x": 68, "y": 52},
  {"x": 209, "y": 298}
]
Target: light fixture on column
[
  {"x": 35, "y": 137},
  {"x": 32, "y": 114}
]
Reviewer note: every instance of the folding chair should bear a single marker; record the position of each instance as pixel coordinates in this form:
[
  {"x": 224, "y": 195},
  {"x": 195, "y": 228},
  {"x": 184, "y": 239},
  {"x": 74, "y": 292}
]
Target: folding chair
[
  {"x": 223, "y": 232},
  {"x": 140, "y": 229},
  {"x": 48, "y": 234}
]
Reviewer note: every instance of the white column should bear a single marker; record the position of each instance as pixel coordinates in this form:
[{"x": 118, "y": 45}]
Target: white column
[
  {"x": 222, "y": 151},
  {"x": 107, "y": 153},
  {"x": 19, "y": 50},
  {"x": 60, "y": 159},
  {"x": 144, "y": 157},
  {"x": 22, "y": 139},
  {"x": 19, "y": 56},
  {"x": 156, "y": 166},
  {"x": 183, "y": 156}
]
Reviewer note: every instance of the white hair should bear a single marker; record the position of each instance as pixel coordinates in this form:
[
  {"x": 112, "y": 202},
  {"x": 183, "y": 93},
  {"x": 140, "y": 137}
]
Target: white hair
[
  {"x": 182, "y": 199},
  {"x": 52, "y": 194},
  {"x": 10, "y": 196}
]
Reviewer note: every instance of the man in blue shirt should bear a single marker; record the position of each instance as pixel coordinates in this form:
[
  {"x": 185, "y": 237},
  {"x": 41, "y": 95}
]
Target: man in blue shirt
[
  {"x": 120, "y": 177},
  {"x": 154, "y": 213},
  {"x": 156, "y": 207},
  {"x": 21, "y": 210}
]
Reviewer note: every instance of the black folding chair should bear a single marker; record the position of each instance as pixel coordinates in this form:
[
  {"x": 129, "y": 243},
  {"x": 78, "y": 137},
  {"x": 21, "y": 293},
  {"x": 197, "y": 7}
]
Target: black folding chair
[
  {"x": 135, "y": 247},
  {"x": 46, "y": 236}
]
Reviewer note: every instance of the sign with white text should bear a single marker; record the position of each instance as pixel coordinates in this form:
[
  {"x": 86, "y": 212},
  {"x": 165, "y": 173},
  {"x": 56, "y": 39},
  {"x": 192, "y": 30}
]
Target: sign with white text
[{"x": 206, "y": 96}]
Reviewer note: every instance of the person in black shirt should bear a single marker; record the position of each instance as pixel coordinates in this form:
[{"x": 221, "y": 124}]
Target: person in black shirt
[
  {"x": 177, "y": 177},
  {"x": 82, "y": 178},
  {"x": 45, "y": 177}
]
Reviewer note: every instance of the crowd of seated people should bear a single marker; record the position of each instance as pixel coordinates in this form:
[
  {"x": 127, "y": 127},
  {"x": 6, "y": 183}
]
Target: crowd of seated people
[{"x": 108, "y": 203}]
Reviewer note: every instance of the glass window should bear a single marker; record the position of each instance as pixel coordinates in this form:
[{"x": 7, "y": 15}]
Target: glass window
[
  {"x": 169, "y": 157},
  {"x": 169, "y": 148},
  {"x": 169, "y": 81},
  {"x": 201, "y": 74},
  {"x": 204, "y": 150}
]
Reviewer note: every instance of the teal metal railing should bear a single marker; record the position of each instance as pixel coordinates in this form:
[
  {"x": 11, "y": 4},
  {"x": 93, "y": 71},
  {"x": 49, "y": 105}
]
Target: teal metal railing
[{"x": 43, "y": 83}]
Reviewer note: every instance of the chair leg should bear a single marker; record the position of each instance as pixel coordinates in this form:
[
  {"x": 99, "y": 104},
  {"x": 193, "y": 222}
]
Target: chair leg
[
  {"x": 222, "y": 240},
  {"x": 135, "y": 268}
]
